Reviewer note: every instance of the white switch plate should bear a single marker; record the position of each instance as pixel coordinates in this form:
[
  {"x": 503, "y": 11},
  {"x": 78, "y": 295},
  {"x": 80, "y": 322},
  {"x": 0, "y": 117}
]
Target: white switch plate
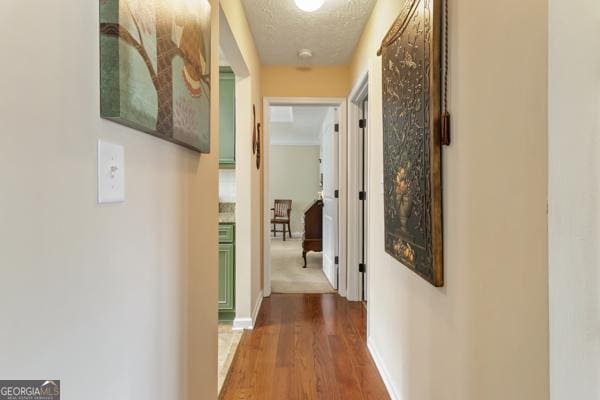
[{"x": 111, "y": 172}]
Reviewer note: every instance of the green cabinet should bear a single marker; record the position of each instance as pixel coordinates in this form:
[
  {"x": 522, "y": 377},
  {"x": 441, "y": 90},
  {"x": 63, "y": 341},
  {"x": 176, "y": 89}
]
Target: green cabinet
[
  {"x": 226, "y": 118},
  {"x": 226, "y": 272}
]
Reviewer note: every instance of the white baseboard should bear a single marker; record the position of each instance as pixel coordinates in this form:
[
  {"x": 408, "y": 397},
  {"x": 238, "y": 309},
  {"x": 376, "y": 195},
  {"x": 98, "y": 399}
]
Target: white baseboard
[
  {"x": 257, "y": 307},
  {"x": 239, "y": 324},
  {"x": 387, "y": 380}
]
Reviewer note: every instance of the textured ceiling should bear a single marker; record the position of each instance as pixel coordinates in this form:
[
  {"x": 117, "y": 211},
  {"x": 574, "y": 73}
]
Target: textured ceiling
[
  {"x": 281, "y": 29},
  {"x": 305, "y": 129}
]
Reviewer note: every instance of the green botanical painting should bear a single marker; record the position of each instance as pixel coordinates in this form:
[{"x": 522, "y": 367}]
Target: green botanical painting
[{"x": 155, "y": 68}]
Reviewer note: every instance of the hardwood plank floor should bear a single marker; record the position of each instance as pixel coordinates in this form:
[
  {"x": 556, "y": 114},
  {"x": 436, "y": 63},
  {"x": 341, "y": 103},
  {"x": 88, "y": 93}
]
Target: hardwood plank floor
[{"x": 305, "y": 346}]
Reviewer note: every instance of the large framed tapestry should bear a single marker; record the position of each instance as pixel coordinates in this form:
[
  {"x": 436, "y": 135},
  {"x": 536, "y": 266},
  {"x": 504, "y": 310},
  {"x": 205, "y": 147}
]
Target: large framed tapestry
[
  {"x": 411, "y": 54},
  {"x": 155, "y": 68}
]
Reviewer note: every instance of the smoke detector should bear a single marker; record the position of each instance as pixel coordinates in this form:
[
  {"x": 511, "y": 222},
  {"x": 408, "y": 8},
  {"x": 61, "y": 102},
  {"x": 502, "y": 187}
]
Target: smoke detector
[{"x": 305, "y": 54}]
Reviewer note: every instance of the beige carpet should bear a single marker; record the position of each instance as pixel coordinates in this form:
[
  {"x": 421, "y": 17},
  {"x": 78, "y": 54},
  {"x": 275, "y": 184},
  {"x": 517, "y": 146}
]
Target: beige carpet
[
  {"x": 228, "y": 343},
  {"x": 287, "y": 274}
]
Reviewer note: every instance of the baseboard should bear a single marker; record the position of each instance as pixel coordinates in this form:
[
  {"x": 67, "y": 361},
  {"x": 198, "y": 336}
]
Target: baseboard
[
  {"x": 257, "y": 307},
  {"x": 387, "y": 380},
  {"x": 240, "y": 324}
]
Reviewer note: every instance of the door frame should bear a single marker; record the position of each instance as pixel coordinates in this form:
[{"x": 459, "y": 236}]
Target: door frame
[
  {"x": 341, "y": 104},
  {"x": 358, "y": 93}
]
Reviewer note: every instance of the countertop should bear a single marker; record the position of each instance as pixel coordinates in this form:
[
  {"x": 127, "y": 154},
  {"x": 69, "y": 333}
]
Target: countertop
[{"x": 227, "y": 213}]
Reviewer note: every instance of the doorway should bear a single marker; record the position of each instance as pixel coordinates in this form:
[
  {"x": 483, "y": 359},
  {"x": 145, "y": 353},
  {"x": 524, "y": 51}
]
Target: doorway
[
  {"x": 234, "y": 111},
  {"x": 303, "y": 181},
  {"x": 302, "y": 171}
]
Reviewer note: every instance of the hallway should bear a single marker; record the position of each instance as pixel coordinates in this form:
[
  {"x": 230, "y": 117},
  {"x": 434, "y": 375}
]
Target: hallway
[
  {"x": 305, "y": 346},
  {"x": 442, "y": 159}
]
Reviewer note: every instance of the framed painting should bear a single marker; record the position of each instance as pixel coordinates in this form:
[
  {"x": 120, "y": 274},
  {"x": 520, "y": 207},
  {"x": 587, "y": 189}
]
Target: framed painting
[
  {"x": 411, "y": 53},
  {"x": 155, "y": 68}
]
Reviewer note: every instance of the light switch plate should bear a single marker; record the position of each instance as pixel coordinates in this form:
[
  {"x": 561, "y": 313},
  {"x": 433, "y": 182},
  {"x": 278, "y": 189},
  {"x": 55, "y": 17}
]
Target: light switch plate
[{"x": 111, "y": 172}]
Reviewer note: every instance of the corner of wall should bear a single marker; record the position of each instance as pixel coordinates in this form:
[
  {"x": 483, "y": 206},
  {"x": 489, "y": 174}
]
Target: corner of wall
[{"x": 383, "y": 371}]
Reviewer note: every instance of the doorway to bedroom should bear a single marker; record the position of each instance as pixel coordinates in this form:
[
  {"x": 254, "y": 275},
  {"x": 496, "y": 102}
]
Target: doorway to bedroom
[{"x": 303, "y": 197}]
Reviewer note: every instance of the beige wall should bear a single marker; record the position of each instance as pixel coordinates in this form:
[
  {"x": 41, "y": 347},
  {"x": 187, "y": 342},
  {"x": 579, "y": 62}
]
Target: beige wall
[
  {"x": 106, "y": 298},
  {"x": 574, "y": 199},
  {"x": 485, "y": 334},
  {"x": 295, "y": 175},
  {"x": 248, "y": 179},
  {"x": 291, "y": 81},
  {"x": 383, "y": 15}
]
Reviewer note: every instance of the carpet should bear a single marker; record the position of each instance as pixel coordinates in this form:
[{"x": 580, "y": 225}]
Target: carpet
[{"x": 287, "y": 274}]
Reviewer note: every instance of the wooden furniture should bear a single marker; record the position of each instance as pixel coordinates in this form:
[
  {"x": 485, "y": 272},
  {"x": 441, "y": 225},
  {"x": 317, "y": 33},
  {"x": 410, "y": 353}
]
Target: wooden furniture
[
  {"x": 226, "y": 118},
  {"x": 313, "y": 229},
  {"x": 282, "y": 210},
  {"x": 226, "y": 272}
]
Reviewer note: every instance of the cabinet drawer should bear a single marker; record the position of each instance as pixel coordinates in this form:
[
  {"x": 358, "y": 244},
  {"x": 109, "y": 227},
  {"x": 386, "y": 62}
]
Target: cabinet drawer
[{"x": 226, "y": 234}]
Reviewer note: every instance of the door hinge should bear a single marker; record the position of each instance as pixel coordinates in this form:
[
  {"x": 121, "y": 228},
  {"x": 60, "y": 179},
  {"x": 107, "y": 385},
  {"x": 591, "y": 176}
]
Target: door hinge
[
  {"x": 362, "y": 195},
  {"x": 337, "y": 260},
  {"x": 362, "y": 123},
  {"x": 336, "y": 127},
  {"x": 336, "y": 194},
  {"x": 362, "y": 268}
]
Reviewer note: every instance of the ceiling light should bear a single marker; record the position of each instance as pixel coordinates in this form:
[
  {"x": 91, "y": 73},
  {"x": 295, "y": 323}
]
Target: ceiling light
[
  {"x": 309, "y": 5},
  {"x": 305, "y": 54}
]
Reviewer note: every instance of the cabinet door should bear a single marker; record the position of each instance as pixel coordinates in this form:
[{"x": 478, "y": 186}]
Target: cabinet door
[
  {"x": 226, "y": 118},
  {"x": 226, "y": 233},
  {"x": 226, "y": 277}
]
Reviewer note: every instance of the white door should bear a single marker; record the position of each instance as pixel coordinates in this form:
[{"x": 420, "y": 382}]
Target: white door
[{"x": 329, "y": 155}]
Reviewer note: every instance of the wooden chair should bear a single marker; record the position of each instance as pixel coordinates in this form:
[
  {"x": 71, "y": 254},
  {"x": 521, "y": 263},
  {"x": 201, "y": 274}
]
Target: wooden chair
[{"x": 282, "y": 210}]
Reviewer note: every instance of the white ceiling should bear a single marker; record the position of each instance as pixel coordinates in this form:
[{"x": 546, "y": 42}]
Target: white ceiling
[
  {"x": 305, "y": 128},
  {"x": 281, "y": 29}
]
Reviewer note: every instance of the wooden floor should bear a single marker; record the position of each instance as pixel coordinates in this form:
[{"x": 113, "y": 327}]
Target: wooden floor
[{"x": 305, "y": 346}]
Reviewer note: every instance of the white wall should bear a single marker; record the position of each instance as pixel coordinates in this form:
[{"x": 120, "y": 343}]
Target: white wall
[
  {"x": 484, "y": 336},
  {"x": 295, "y": 175},
  {"x": 118, "y": 301},
  {"x": 574, "y": 191}
]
